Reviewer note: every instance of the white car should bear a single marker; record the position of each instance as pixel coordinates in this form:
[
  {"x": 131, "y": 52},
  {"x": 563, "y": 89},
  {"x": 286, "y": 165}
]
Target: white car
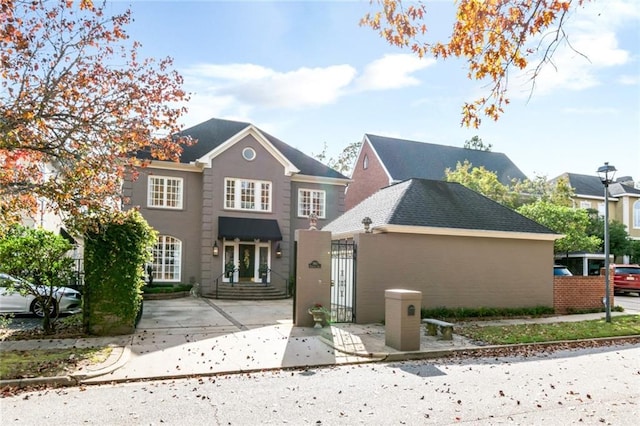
[{"x": 67, "y": 300}]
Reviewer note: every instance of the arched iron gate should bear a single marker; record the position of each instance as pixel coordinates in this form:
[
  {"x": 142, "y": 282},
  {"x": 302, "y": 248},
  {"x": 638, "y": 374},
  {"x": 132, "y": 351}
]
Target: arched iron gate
[{"x": 343, "y": 281}]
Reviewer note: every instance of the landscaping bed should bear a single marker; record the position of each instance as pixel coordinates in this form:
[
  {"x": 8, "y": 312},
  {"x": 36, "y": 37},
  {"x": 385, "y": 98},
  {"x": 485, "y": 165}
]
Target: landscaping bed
[{"x": 163, "y": 292}]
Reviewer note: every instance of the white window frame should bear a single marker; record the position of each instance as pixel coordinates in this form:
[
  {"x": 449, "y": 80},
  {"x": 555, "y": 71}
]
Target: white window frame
[
  {"x": 167, "y": 259},
  {"x": 636, "y": 215},
  {"x": 585, "y": 204},
  {"x": 305, "y": 210},
  {"x": 248, "y": 195},
  {"x": 162, "y": 200},
  {"x": 601, "y": 209}
]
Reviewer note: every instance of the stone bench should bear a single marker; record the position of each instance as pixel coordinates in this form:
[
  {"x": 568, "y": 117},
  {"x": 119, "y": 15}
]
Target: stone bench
[{"x": 433, "y": 326}]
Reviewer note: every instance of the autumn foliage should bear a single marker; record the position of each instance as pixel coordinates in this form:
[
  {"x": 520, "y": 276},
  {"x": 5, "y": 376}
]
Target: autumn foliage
[
  {"x": 76, "y": 102},
  {"x": 493, "y": 36}
]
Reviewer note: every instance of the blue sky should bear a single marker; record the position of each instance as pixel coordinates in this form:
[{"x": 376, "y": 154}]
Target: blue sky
[{"x": 306, "y": 72}]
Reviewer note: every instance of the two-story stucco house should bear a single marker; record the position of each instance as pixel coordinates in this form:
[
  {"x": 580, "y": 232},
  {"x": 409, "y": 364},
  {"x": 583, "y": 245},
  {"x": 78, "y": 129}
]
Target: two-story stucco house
[
  {"x": 229, "y": 208},
  {"x": 383, "y": 161},
  {"x": 624, "y": 207}
]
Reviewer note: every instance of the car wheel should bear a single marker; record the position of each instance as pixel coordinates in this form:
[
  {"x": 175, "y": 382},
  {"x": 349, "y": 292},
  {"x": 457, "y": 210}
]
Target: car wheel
[{"x": 38, "y": 309}]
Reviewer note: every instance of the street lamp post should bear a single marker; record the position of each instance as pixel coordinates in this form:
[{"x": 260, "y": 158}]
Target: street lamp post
[{"x": 606, "y": 174}]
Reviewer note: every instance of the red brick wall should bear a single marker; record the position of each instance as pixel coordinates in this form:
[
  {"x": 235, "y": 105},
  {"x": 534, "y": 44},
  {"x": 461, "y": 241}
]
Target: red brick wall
[
  {"x": 365, "y": 181},
  {"x": 579, "y": 292}
]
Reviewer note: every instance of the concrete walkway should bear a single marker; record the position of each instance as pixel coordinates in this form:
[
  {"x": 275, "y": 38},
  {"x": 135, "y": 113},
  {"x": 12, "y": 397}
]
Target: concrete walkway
[{"x": 198, "y": 336}]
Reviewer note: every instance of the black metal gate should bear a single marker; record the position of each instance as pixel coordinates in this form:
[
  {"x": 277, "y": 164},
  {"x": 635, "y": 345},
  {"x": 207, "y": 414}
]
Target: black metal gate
[{"x": 343, "y": 281}]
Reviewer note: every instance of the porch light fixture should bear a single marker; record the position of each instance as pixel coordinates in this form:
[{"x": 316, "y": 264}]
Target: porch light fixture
[
  {"x": 606, "y": 174},
  {"x": 278, "y": 251},
  {"x": 214, "y": 249},
  {"x": 367, "y": 223}
]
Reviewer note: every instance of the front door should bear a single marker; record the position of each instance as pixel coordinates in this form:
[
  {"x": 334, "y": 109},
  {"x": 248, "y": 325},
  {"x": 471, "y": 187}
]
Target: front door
[{"x": 246, "y": 270}]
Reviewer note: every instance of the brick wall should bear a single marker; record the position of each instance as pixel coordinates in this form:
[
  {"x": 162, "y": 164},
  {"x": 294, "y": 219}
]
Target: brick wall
[
  {"x": 579, "y": 292},
  {"x": 365, "y": 181}
]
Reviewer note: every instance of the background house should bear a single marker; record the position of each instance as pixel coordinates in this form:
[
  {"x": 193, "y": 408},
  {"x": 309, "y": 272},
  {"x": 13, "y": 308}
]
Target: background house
[
  {"x": 459, "y": 248},
  {"x": 624, "y": 207},
  {"x": 383, "y": 161},
  {"x": 236, "y": 197}
]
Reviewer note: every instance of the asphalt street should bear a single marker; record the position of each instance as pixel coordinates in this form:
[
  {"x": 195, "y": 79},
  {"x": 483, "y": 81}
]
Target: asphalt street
[{"x": 585, "y": 387}]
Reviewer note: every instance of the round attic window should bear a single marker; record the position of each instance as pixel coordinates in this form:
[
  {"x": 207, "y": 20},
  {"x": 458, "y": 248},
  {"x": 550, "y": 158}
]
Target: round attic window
[{"x": 248, "y": 154}]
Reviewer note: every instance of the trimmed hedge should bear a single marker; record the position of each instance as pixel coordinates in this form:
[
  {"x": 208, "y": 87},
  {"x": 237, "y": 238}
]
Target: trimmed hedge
[
  {"x": 116, "y": 250},
  {"x": 481, "y": 312}
]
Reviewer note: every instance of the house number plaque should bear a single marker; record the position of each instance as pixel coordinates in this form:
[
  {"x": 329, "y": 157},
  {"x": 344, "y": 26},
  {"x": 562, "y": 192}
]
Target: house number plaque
[{"x": 315, "y": 264}]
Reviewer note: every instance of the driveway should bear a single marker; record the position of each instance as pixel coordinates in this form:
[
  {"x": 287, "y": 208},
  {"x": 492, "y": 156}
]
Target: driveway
[{"x": 223, "y": 315}]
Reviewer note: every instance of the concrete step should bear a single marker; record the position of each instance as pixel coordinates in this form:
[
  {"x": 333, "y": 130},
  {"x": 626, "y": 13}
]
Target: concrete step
[{"x": 247, "y": 291}]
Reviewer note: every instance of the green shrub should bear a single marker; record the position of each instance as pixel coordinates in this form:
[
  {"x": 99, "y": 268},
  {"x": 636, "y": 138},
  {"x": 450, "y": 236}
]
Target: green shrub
[
  {"x": 167, "y": 288},
  {"x": 484, "y": 312},
  {"x": 116, "y": 250}
]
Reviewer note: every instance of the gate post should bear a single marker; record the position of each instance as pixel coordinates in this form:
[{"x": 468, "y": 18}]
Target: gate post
[{"x": 313, "y": 274}]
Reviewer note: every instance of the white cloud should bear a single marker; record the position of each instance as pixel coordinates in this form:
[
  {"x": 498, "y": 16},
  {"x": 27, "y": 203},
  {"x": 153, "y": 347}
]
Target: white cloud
[
  {"x": 392, "y": 72},
  {"x": 237, "y": 89},
  {"x": 296, "y": 89},
  {"x": 230, "y": 72},
  {"x": 629, "y": 80}
]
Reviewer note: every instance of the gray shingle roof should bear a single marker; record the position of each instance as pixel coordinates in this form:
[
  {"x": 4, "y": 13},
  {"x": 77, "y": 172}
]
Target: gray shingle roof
[
  {"x": 591, "y": 186},
  {"x": 407, "y": 159},
  {"x": 214, "y": 132},
  {"x": 434, "y": 203}
]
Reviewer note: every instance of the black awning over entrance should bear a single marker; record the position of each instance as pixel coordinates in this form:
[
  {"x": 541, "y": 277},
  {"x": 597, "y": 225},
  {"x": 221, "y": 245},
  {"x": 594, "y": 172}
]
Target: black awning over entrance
[{"x": 247, "y": 229}]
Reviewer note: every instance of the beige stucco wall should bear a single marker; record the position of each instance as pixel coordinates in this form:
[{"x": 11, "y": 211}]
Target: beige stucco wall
[
  {"x": 452, "y": 271},
  {"x": 313, "y": 283}
]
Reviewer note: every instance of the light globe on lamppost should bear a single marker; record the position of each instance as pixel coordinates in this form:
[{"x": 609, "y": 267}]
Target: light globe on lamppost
[{"x": 606, "y": 174}]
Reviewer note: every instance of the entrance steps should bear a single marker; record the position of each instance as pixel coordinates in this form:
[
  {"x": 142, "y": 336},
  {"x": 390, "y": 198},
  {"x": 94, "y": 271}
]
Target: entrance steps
[{"x": 247, "y": 291}]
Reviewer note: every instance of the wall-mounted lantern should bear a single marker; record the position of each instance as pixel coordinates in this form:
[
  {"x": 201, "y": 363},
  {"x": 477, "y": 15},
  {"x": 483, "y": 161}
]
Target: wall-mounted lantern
[
  {"x": 367, "y": 223},
  {"x": 278, "y": 251},
  {"x": 214, "y": 249}
]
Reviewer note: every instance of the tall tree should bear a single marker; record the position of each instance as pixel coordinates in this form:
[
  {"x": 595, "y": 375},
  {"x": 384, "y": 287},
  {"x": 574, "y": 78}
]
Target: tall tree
[
  {"x": 558, "y": 192},
  {"x": 573, "y": 223},
  {"x": 493, "y": 36},
  {"x": 619, "y": 241},
  {"x": 76, "y": 102},
  {"x": 480, "y": 180},
  {"x": 477, "y": 144},
  {"x": 345, "y": 160}
]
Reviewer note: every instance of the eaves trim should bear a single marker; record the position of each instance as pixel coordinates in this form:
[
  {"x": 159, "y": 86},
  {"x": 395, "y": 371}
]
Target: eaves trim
[
  {"x": 452, "y": 232},
  {"x": 170, "y": 165},
  {"x": 320, "y": 180}
]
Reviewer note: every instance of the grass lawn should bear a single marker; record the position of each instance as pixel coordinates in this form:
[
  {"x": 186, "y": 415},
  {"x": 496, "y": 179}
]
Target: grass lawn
[
  {"x": 626, "y": 325},
  {"x": 48, "y": 363}
]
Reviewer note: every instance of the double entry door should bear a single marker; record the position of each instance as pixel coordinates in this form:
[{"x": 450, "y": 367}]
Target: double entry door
[{"x": 247, "y": 261}]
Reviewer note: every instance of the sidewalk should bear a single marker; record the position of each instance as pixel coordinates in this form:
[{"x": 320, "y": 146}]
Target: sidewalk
[{"x": 192, "y": 337}]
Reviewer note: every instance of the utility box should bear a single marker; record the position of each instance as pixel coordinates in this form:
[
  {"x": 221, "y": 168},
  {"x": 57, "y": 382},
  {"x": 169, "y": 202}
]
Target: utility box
[{"x": 402, "y": 319}]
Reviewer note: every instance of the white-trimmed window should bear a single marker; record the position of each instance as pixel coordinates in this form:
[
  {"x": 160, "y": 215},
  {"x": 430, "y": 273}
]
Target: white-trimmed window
[
  {"x": 167, "y": 255},
  {"x": 247, "y": 195},
  {"x": 311, "y": 201},
  {"x": 164, "y": 192},
  {"x": 585, "y": 204},
  {"x": 601, "y": 209},
  {"x": 636, "y": 215}
]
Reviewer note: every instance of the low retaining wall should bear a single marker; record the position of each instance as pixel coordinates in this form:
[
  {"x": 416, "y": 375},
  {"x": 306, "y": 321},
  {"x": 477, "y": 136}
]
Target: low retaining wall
[{"x": 579, "y": 293}]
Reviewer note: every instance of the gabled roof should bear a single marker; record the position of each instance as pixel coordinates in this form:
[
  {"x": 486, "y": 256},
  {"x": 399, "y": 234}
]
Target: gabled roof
[
  {"x": 591, "y": 186},
  {"x": 434, "y": 204},
  {"x": 406, "y": 159},
  {"x": 212, "y": 133}
]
